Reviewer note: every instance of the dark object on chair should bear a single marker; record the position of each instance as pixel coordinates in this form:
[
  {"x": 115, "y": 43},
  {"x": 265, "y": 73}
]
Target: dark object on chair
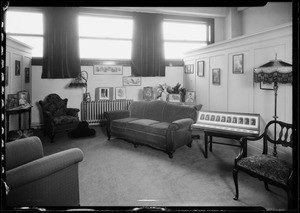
[
  {"x": 268, "y": 168},
  {"x": 82, "y": 130},
  {"x": 57, "y": 117},
  {"x": 37, "y": 180}
]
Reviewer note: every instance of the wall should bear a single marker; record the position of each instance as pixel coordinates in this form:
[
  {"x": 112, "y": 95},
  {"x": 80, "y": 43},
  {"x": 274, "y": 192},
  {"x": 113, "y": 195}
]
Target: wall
[
  {"x": 43, "y": 87},
  {"x": 238, "y": 92},
  {"x": 16, "y": 50}
]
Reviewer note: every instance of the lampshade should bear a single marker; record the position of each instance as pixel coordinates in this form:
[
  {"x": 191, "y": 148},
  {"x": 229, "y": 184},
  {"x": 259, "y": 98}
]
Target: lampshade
[
  {"x": 274, "y": 71},
  {"x": 80, "y": 80}
]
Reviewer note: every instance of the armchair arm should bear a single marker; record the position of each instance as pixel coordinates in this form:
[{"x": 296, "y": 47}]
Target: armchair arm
[
  {"x": 118, "y": 114},
  {"x": 23, "y": 151},
  {"x": 42, "y": 167},
  {"x": 181, "y": 123},
  {"x": 72, "y": 111}
]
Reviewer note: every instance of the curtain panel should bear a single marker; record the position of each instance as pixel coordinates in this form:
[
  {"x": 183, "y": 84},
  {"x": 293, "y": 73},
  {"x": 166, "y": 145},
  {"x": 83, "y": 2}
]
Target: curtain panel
[
  {"x": 148, "y": 46},
  {"x": 61, "y": 43}
]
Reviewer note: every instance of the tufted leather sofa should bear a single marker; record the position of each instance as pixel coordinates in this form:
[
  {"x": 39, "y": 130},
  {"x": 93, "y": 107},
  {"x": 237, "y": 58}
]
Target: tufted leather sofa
[{"x": 158, "y": 124}]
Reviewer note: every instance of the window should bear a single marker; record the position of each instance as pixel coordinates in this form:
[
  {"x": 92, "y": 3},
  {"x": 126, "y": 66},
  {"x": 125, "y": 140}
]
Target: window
[
  {"x": 26, "y": 27},
  {"x": 183, "y": 36},
  {"x": 105, "y": 37}
]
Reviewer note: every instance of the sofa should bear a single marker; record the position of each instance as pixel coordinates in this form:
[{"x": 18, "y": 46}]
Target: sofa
[
  {"x": 37, "y": 180},
  {"x": 158, "y": 124}
]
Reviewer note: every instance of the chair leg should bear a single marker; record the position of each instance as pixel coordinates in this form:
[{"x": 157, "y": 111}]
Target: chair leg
[
  {"x": 235, "y": 178},
  {"x": 266, "y": 186}
]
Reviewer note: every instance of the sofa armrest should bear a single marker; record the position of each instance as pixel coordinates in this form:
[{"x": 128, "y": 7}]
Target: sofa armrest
[
  {"x": 42, "y": 167},
  {"x": 118, "y": 114},
  {"x": 72, "y": 111},
  {"x": 181, "y": 123},
  {"x": 22, "y": 151}
]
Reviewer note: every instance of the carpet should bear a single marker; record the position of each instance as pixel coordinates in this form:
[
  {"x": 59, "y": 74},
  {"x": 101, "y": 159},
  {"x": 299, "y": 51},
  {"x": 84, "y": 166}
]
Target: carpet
[{"x": 115, "y": 173}]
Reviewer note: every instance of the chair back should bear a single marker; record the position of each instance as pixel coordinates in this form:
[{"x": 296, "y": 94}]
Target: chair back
[
  {"x": 54, "y": 104},
  {"x": 282, "y": 135}
]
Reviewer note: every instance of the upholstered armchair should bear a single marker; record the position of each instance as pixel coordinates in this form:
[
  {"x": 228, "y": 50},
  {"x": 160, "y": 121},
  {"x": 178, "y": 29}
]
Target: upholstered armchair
[
  {"x": 269, "y": 168},
  {"x": 57, "y": 117},
  {"x": 37, "y": 180}
]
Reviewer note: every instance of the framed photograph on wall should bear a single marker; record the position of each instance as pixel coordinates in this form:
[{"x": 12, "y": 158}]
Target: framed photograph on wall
[
  {"x": 200, "y": 68},
  {"x": 238, "y": 64},
  {"x": 17, "y": 67},
  {"x": 175, "y": 98},
  {"x": 190, "y": 97},
  {"x": 120, "y": 93},
  {"x": 108, "y": 70},
  {"x": 189, "y": 68},
  {"x": 131, "y": 81},
  {"x": 216, "y": 72},
  {"x": 148, "y": 94},
  {"x": 27, "y": 75},
  {"x": 104, "y": 93}
]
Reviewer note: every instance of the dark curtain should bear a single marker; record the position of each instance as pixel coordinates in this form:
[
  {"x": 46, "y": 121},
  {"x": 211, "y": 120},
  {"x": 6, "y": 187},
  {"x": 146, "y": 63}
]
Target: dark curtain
[
  {"x": 61, "y": 43},
  {"x": 147, "y": 46}
]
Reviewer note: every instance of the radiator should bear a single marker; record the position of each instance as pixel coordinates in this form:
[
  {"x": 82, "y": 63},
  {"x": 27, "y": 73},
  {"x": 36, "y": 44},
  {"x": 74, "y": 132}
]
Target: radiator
[{"x": 93, "y": 111}]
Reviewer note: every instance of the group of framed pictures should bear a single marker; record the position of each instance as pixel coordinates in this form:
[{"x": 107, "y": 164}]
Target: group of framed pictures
[
  {"x": 108, "y": 69},
  {"x": 190, "y": 97},
  {"x": 233, "y": 119},
  {"x": 21, "y": 99},
  {"x": 18, "y": 72},
  {"x": 237, "y": 68},
  {"x": 106, "y": 93}
]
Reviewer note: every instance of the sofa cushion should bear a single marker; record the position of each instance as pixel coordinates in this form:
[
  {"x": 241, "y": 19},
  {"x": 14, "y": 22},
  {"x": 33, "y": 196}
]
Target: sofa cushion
[
  {"x": 140, "y": 124},
  {"x": 122, "y": 122},
  {"x": 137, "y": 109},
  {"x": 173, "y": 112},
  {"x": 158, "y": 128},
  {"x": 154, "y": 110}
]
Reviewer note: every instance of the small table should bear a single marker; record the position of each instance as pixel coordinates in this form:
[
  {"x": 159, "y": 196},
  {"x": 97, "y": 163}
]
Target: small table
[
  {"x": 208, "y": 139},
  {"x": 18, "y": 111}
]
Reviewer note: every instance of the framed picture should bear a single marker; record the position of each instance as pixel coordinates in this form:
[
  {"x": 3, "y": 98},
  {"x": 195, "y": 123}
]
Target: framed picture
[
  {"x": 200, "y": 68},
  {"x": 12, "y": 101},
  {"x": 108, "y": 70},
  {"x": 6, "y": 76},
  {"x": 175, "y": 98},
  {"x": 131, "y": 81},
  {"x": 148, "y": 94},
  {"x": 216, "y": 76},
  {"x": 27, "y": 75},
  {"x": 86, "y": 96},
  {"x": 189, "y": 68},
  {"x": 104, "y": 93},
  {"x": 190, "y": 97},
  {"x": 120, "y": 93},
  {"x": 238, "y": 64},
  {"x": 23, "y": 98},
  {"x": 17, "y": 67}
]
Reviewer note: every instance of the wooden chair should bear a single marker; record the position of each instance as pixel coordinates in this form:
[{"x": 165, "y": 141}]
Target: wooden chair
[{"x": 268, "y": 168}]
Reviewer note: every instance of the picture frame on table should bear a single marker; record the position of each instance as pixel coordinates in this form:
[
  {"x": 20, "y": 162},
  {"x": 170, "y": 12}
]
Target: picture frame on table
[
  {"x": 200, "y": 68},
  {"x": 216, "y": 76},
  {"x": 108, "y": 70},
  {"x": 23, "y": 98},
  {"x": 174, "y": 98},
  {"x": 131, "y": 81},
  {"x": 238, "y": 64},
  {"x": 120, "y": 93},
  {"x": 148, "y": 93},
  {"x": 12, "y": 101},
  {"x": 190, "y": 97}
]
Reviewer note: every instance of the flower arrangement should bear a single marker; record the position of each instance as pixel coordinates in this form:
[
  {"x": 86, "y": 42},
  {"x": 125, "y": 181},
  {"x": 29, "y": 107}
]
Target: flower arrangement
[{"x": 164, "y": 90}]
